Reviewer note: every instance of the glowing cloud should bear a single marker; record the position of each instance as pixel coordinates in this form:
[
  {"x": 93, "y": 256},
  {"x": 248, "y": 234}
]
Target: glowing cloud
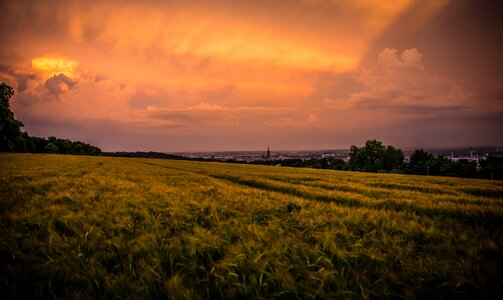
[{"x": 52, "y": 65}]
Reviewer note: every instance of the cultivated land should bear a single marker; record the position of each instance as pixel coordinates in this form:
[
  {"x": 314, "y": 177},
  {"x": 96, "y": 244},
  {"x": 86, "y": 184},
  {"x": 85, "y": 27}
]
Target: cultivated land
[{"x": 80, "y": 227}]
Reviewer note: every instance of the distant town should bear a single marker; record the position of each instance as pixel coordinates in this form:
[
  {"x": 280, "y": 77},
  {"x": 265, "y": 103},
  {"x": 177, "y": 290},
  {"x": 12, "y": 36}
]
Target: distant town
[{"x": 455, "y": 154}]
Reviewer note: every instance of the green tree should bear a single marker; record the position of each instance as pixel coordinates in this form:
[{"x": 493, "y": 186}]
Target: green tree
[
  {"x": 11, "y": 137},
  {"x": 375, "y": 157}
]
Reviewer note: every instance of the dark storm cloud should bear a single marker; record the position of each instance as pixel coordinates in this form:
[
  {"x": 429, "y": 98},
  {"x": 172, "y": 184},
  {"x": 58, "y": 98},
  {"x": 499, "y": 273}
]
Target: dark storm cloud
[{"x": 463, "y": 41}]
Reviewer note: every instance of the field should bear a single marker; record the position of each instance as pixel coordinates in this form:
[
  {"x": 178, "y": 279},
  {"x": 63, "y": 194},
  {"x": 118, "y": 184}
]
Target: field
[{"x": 100, "y": 227}]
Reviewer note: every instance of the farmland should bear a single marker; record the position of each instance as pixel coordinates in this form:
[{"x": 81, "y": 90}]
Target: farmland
[{"x": 94, "y": 227}]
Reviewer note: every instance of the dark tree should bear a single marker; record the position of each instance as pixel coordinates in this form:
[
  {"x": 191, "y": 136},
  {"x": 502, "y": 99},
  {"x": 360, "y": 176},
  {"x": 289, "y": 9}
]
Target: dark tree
[
  {"x": 65, "y": 146},
  {"x": 332, "y": 163},
  {"x": 51, "y": 148},
  {"x": 393, "y": 160},
  {"x": 38, "y": 144},
  {"x": 338, "y": 164},
  {"x": 11, "y": 137},
  {"x": 375, "y": 157},
  {"x": 422, "y": 163},
  {"x": 491, "y": 168},
  {"x": 462, "y": 168}
]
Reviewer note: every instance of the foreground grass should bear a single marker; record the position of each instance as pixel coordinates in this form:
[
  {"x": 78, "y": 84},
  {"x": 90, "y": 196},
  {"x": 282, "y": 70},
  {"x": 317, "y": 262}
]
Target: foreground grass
[{"x": 81, "y": 227}]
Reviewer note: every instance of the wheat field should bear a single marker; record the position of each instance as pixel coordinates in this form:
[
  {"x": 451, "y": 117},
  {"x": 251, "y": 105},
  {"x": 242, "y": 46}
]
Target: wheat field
[{"x": 102, "y": 227}]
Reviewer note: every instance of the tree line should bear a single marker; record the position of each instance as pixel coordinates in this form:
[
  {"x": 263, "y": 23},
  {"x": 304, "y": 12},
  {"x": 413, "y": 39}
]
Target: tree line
[
  {"x": 378, "y": 158},
  {"x": 13, "y": 139},
  {"x": 375, "y": 157}
]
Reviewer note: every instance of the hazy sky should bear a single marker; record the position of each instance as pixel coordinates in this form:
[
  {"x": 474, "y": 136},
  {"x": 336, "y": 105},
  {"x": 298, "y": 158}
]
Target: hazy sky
[{"x": 242, "y": 75}]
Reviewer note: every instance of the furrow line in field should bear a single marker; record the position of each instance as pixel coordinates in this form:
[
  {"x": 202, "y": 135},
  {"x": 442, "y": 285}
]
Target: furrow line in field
[
  {"x": 485, "y": 219},
  {"x": 378, "y": 193},
  {"x": 169, "y": 167}
]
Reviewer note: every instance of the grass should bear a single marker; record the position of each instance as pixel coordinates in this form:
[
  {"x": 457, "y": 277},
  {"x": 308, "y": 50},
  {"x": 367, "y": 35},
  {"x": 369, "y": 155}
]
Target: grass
[{"x": 101, "y": 227}]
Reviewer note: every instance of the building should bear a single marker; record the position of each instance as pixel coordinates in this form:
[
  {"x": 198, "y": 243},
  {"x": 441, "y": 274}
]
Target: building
[{"x": 267, "y": 155}]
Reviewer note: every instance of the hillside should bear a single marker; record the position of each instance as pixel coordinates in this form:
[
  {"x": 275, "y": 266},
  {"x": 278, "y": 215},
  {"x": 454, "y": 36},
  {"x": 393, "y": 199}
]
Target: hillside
[{"x": 81, "y": 226}]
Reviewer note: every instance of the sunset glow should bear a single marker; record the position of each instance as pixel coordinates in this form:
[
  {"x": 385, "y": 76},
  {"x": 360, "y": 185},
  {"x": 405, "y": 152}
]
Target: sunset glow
[
  {"x": 239, "y": 75},
  {"x": 50, "y": 66}
]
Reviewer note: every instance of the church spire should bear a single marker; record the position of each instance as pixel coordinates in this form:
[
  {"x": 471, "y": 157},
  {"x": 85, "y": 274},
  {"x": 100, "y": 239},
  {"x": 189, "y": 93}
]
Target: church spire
[{"x": 268, "y": 155}]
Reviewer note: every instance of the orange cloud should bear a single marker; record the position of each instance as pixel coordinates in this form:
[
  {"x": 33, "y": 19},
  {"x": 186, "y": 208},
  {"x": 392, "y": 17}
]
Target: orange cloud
[
  {"x": 261, "y": 69},
  {"x": 230, "y": 35}
]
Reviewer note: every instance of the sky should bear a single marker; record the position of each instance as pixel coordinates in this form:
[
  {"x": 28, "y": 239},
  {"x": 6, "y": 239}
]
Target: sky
[{"x": 181, "y": 76}]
